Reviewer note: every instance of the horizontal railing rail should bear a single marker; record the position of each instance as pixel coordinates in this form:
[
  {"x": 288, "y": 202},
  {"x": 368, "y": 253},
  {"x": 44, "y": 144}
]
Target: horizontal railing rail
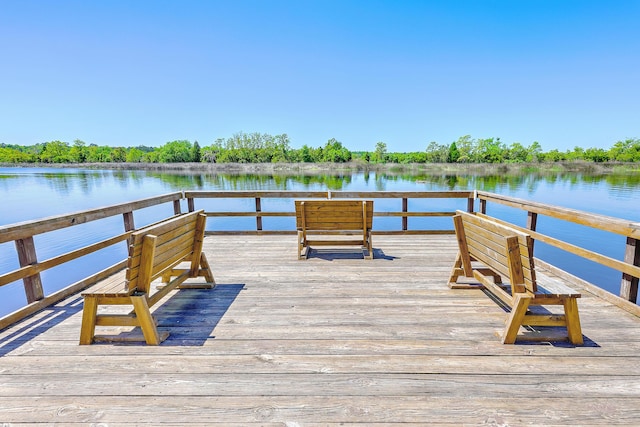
[
  {"x": 629, "y": 267},
  {"x": 30, "y": 268},
  {"x": 259, "y": 214}
]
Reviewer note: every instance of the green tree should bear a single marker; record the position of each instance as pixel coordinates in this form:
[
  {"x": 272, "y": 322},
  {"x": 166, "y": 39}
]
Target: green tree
[
  {"x": 14, "y": 155},
  {"x": 626, "y": 151},
  {"x": 306, "y": 154},
  {"x": 135, "y": 155},
  {"x": 554, "y": 156},
  {"x": 78, "y": 152},
  {"x": 283, "y": 147},
  {"x": 153, "y": 157},
  {"x": 490, "y": 150},
  {"x": 335, "y": 152},
  {"x": 118, "y": 155},
  {"x": 576, "y": 154},
  {"x": 175, "y": 152},
  {"x": 534, "y": 152},
  {"x": 597, "y": 155},
  {"x": 55, "y": 152},
  {"x": 196, "y": 155},
  {"x": 454, "y": 154},
  {"x": 380, "y": 154},
  {"x": 98, "y": 154},
  {"x": 436, "y": 153},
  {"x": 466, "y": 149}
]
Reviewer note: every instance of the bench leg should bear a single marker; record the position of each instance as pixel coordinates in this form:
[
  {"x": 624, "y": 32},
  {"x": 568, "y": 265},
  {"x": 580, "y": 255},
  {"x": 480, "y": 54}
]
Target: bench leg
[
  {"x": 573, "y": 321},
  {"x": 514, "y": 321},
  {"x": 89, "y": 312},
  {"x": 369, "y": 248},
  {"x": 147, "y": 324},
  {"x": 205, "y": 269},
  {"x": 456, "y": 271},
  {"x": 302, "y": 246}
]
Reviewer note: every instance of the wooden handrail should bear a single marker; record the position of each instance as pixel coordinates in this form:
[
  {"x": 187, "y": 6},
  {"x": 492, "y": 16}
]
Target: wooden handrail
[
  {"x": 403, "y": 196},
  {"x": 30, "y": 268},
  {"x": 41, "y": 266},
  {"x": 27, "y": 229},
  {"x": 629, "y": 267},
  {"x": 601, "y": 222}
]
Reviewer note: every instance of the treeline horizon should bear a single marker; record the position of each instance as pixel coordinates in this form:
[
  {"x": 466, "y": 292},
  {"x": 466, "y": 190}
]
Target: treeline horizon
[{"x": 264, "y": 148}]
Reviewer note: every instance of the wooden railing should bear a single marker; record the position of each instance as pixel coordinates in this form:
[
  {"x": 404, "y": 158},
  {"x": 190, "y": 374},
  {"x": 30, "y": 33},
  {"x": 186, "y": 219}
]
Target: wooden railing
[
  {"x": 22, "y": 234},
  {"x": 629, "y": 267},
  {"x": 30, "y": 268},
  {"x": 402, "y": 197}
]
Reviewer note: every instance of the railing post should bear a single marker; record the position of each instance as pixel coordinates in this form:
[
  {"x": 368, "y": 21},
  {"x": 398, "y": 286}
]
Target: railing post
[
  {"x": 405, "y": 207},
  {"x": 532, "y": 220},
  {"x": 128, "y": 226},
  {"x": 191, "y": 204},
  {"x": 483, "y": 206},
  {"x": 128, "y": 221},
  {"x": 27, "y": 256},
  {"x": 629, "y": 285},
  {"x": 177, "y": 209},
  {"x": 258, "y": 217},
  {"x": 470, "y": 204},
  {"x": 532, "y": 223}
]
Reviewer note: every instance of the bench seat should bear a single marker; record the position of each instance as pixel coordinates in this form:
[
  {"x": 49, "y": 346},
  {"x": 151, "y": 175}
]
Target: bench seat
[
  {"x": 316, "y": 219},
  {"x": 490, "y": 251},
  {"x": 155, "y": 252}
]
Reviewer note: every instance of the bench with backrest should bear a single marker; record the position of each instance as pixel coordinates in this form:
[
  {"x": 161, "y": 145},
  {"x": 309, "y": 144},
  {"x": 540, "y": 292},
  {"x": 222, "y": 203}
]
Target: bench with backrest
[
  {"x": 155, "y": 252},
  {"x": 334, "y": 217},
  {"x": 490, "y": 251}
]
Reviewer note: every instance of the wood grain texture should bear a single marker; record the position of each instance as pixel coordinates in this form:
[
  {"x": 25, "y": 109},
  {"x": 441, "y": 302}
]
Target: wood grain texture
[
  {"x": 327, "y": 342},
  {"x": 500, "y": 251},
  {"x": 154, "y": 251}
]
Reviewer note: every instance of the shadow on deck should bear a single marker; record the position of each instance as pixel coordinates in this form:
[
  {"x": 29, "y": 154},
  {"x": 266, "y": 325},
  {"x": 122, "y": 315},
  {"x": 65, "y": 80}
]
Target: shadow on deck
[{"x": 346, "y": 342}]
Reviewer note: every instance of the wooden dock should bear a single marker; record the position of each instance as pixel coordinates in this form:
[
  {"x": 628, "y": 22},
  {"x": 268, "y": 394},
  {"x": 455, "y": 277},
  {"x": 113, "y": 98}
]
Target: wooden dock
[{"x": 332, "y": 340}]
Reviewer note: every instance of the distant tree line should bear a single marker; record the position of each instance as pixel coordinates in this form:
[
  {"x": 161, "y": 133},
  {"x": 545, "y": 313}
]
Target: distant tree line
[{"x": 263, "y": 148}]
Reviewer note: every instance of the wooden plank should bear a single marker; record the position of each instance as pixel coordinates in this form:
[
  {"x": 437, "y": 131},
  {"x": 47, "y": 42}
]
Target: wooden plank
[
  {"x": 324, "y": 411},
  {"x": 354, "y": 384},
  {"x": 614, "y": 225},
  {"x": 621, "y": 266},
  {"x": 501, "y": 249},
  {"x": 31, "y": 228},
  {"x": 322, "y": 343},
  {"x": 154, "y": 252},
  {"x": 342, "y": 217}
]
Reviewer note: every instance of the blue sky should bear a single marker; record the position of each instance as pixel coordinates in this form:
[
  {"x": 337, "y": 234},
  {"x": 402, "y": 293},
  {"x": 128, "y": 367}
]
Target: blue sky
[{"x": 564, "y": 73}]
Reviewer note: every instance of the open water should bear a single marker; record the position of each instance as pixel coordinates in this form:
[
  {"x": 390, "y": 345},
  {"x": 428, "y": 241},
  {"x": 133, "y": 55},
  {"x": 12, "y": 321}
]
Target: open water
[{"x": 34, "y": 193}]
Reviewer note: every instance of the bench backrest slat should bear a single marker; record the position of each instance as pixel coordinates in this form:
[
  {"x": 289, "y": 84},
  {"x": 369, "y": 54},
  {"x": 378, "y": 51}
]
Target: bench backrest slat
[
  {"x": 327, "y": 215},
  {"x": 174, "y": 241},
  {"x": 503, "y": 249}
]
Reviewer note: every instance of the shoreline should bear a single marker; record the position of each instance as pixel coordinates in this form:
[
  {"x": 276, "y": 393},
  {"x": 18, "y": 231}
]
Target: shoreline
[{"x": 353, "y": 167}]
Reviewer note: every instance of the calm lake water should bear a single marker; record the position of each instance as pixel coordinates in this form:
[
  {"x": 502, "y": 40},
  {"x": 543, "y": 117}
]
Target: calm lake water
[{"x": 34, "y": 193}]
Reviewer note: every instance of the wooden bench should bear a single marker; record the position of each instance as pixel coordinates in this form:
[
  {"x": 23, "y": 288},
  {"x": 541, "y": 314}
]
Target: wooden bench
[
  {"x": 154, "y": 251},
  {"x": 334, "y": 217},
  {"x": 499, "y": 251}
]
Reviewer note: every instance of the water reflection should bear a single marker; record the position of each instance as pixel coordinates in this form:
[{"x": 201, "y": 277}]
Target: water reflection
[
  {"x": 252, "y": 182},
  {"x": 45, "y": 184},
  {"x": 525, "y": 183},
  {"x": 33, "y": 193}
]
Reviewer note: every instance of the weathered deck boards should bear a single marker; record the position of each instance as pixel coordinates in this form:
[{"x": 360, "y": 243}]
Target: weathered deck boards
[{"x": 329, "y": 341}]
